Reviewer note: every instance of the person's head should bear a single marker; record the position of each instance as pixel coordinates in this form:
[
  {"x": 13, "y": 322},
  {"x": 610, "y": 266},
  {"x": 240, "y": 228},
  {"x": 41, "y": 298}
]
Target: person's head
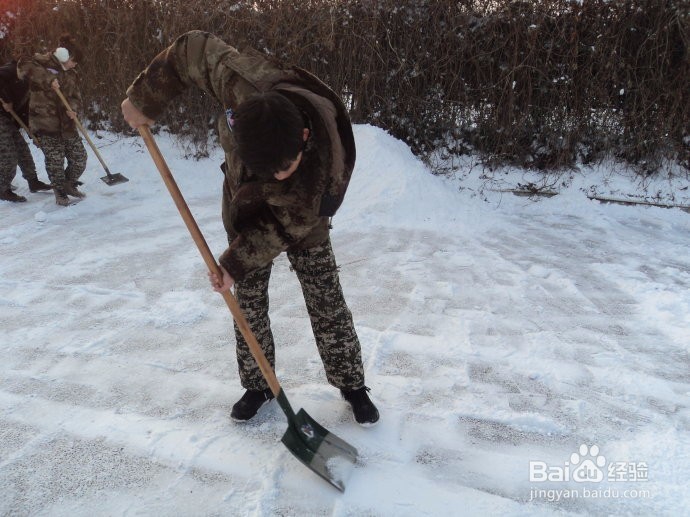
[
  {"x": 270, "y": 134},
  {"x": 67, "y": 52}
]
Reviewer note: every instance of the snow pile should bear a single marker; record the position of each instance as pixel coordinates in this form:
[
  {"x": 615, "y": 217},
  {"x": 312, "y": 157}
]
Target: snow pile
[{"x": 501, "y": 338}]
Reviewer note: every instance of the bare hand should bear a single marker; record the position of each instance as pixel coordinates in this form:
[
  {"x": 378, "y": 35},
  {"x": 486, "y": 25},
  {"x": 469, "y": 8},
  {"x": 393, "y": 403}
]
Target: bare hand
[
  {"x": 55, "y": 85},
  {"x": 133, "y": 116},
  {"x": 71, "y": 114},
  {"x": 221, "y": 285}
]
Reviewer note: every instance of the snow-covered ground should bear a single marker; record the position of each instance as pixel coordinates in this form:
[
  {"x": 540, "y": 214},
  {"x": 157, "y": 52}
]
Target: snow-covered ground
[{"x": 506, "y": 341}]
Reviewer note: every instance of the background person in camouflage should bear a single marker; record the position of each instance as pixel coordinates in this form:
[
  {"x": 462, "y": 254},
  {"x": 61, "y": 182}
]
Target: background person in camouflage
[
  {"x": 51, "y": 122},
  {"x": 289, "y": 154},
  {"x": 14, "y": 95}
]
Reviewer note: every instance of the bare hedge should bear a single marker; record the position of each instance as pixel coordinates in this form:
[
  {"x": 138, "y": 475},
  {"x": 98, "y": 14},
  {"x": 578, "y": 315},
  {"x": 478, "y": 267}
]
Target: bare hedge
[{"x": 541, "y": 84}]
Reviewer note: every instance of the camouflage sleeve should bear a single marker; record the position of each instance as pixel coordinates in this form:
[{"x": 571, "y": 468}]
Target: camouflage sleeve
[
  {"x": 194, "y": 59},
  {"x": 35, "y": 73},
  {"x": 266, "y": 234},
  {"x": 72, "y": 92}
]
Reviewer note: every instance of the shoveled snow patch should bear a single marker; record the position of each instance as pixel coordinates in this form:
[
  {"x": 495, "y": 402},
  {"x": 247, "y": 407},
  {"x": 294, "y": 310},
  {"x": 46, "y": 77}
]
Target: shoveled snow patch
[
  {"x": 340, "y": 469},
  {"x": 493, "y": 334}
]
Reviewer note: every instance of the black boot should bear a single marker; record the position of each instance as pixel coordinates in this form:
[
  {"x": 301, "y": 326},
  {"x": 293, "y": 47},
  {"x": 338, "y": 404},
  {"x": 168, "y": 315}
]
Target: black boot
[
  {"x": 35, "y": 185},
  {"x": 363, "y": 408},
  {"x": 250, "y": 403},
  {"x": 8, "y": 195}
]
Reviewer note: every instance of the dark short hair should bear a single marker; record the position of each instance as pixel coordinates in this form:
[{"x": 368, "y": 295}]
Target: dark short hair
[
  {"x": 268, "y": 130},
  {"x": 75, "y": 53}
]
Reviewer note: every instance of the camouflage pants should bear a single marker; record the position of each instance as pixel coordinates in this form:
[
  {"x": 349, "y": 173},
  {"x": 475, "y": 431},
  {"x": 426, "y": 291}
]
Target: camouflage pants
[
  {"x": 56, "y": 149},
  {"x": 14, "y": 151},
  {"x": 331, "y": 320}
]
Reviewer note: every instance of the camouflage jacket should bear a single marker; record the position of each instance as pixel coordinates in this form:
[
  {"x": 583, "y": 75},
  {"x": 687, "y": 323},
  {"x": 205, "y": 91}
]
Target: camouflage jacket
[
  {"x": 14, "y": 91},
  {"x": 262, "y": 218},
  {"x": 47, "y": 113}
]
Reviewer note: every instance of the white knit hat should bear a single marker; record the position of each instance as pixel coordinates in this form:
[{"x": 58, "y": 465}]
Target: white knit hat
[{"x": 62, "y": 54}]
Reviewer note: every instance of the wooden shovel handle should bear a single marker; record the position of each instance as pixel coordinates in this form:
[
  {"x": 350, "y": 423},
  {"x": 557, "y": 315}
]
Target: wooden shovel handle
[
  {"x": 83, "y": 131},
  {"x": 21, "y": 123},
  {"x": 209, "y": 259}
]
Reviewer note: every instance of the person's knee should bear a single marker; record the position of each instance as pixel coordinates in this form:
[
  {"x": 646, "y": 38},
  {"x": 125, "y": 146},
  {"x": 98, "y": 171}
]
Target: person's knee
[
  {"x": 77, "y": 155},
  {"x": 54, "y": 161}
]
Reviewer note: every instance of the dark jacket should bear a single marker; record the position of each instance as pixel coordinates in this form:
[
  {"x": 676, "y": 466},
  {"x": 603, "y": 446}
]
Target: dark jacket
[
  {"x": 15, "y": 91},
  {"x": 262, "y": 218},
  {"x": 47, "y": 113}
]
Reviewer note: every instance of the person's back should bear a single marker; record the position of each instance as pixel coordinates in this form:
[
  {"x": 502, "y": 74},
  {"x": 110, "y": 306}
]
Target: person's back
[{"x": 14, "y": 91}]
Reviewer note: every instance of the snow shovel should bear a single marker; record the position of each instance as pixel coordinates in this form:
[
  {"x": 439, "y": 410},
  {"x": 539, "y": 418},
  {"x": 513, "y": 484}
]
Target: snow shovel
[
  {"x": 110, "y": 179},
  {"x": 35, "y": 140},
  {"x": 323, "y": 452}
]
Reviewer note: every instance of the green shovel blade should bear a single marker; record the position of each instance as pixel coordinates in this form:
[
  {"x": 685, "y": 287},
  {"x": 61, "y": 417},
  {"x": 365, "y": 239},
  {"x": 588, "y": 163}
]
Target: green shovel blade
[
  {"x": 323, "y": 452},
  {"x": 114, "y": 179}
]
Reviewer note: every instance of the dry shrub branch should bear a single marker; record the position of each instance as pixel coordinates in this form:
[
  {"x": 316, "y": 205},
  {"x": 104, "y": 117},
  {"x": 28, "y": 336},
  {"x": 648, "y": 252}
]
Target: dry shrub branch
[{"x": 539, "y": 84}]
